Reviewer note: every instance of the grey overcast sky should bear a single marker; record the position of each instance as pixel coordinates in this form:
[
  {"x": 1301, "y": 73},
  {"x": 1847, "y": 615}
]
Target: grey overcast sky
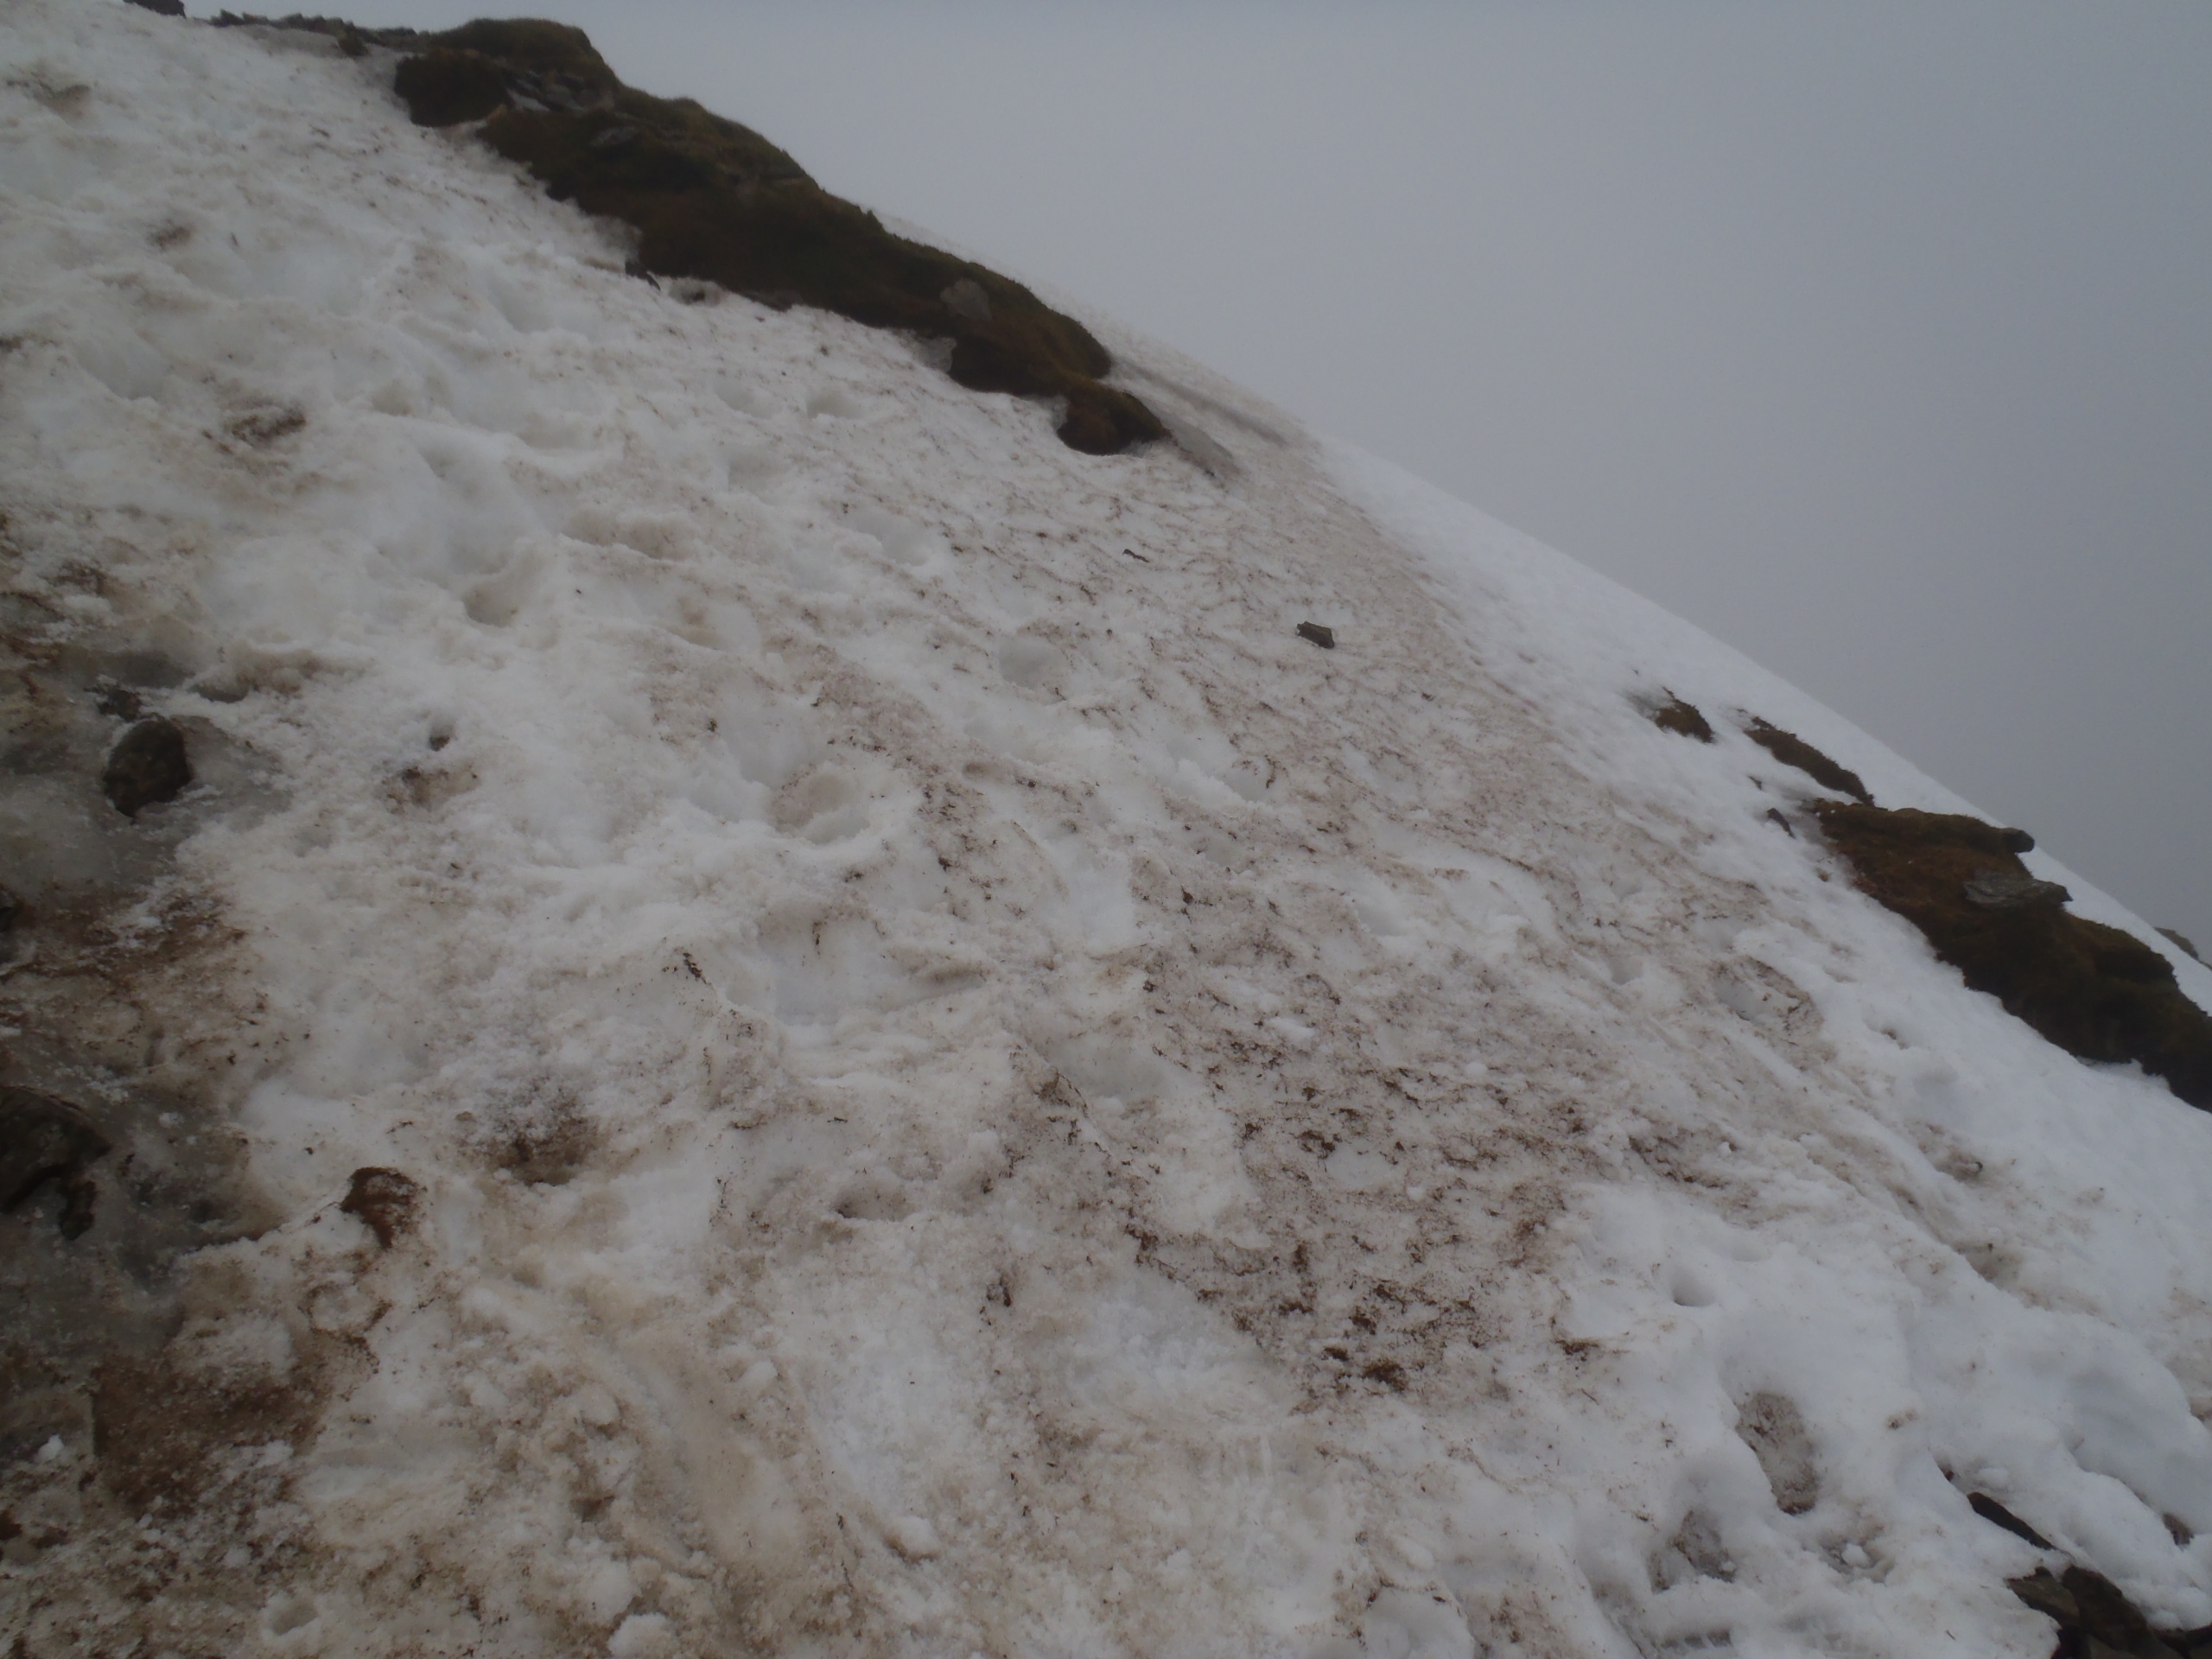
[{"x": 1875, "y": 337}]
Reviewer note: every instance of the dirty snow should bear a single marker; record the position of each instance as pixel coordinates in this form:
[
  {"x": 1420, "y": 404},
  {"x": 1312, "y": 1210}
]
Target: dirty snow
[{"x": 971, "y": 1091}]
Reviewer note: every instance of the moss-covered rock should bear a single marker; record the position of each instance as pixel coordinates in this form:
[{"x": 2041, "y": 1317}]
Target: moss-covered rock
[
  {"x": 713, "y": 200},
  {"x": 2098, "y": 992},
  {"x": 1683, "y": 719},
  {"x": 1794, "y": 751}
]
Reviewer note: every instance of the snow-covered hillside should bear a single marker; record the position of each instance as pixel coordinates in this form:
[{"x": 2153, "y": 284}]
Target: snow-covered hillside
[{"x": 947, "y": 1083}]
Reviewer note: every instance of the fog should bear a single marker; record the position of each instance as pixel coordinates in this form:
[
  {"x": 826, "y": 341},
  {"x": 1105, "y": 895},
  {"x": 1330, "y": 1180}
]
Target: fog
[{"x": 1871, "y": 336}]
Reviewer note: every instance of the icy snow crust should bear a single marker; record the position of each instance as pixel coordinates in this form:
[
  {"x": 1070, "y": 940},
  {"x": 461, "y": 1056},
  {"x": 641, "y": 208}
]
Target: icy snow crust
[{"x": 974, "y": 1093}]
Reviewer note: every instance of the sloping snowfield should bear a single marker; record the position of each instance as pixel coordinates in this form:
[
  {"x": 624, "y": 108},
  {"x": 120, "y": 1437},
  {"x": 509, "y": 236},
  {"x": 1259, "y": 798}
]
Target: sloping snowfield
[{"x": 966, "y": 1090}]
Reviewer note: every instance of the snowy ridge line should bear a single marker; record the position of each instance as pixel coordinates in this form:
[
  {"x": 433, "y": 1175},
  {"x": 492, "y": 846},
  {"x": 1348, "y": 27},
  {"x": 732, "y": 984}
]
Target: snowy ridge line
[
  {"x": 944, "y": 1089},
  {"x": 1648, "y": 648}
]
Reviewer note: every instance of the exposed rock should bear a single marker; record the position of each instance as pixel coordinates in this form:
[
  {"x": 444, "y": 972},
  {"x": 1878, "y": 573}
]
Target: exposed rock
[
  {"x": 2169, "y": 933},
  {"x": 2044, "y": 1592},
  {"x": 2094, "y": 1619},
  {"x": 713, "y": 200},
  {"x": 10, "y": 907},
  {"x": 1794, "y": 751},
  {"x": 148, "y": 766},
  {"x": 162, "y": 7},
  {"x": 1323, "y": 637},
  {"x": 1683, "y": 719},
  {"x": 2098, "y": 992},
  {"x": 1997, "y": 1515},
  {"x": 966, "y": 297},
  {"x": 2004, "y": 890}
]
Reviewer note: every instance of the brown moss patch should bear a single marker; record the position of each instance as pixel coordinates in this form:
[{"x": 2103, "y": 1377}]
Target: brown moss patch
[
  {"x": 1683, "y": 719},
  {"x": 1794, "y": 751},
  {"x": 2096, "y": 992},
  {"x": 713, "y": 200}
]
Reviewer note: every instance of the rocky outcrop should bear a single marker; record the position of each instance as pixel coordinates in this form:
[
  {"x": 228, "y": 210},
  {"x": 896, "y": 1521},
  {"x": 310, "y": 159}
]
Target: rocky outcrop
[
  {"x": 713, "y": 200},
  {"x": 1794, "y": 751},
  {"x": 2098, "y": 992}
]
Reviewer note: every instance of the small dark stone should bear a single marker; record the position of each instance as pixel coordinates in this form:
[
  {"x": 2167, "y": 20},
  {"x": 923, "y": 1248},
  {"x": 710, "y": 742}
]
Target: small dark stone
[
  {"x": 43, "y": 1139},
  {"x": 1682, "y": 719},
  {"x": 2005, "y": 890},
  {"x": 1997, "y": 1515},
  {"x": 384, "y": 1199},
  {"x": 162, "y": 7},
  {"x": 1774, "y": 816},
  {"x": 1323, "y": 637},
  {"x": 147, "y": 766}
]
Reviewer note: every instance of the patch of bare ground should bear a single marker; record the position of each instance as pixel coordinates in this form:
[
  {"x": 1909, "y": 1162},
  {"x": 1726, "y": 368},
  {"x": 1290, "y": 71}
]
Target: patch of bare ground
[{"x": 149, "y": 1401}]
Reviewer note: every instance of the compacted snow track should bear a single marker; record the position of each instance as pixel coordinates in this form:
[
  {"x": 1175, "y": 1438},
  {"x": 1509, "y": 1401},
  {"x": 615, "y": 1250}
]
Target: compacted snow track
[{"x": 786, "y": 1017}]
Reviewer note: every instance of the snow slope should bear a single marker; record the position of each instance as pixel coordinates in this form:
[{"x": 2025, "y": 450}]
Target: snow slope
[{"x": 969, "y": 1091}]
